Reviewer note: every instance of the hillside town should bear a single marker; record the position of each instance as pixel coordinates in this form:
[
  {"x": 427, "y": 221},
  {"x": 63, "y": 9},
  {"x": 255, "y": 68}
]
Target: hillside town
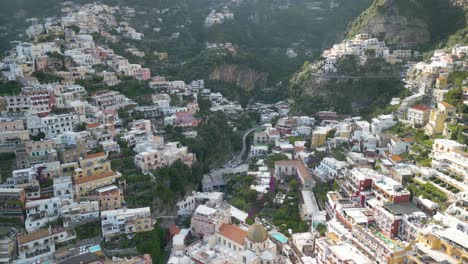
[{"x": 324, "y": 188}]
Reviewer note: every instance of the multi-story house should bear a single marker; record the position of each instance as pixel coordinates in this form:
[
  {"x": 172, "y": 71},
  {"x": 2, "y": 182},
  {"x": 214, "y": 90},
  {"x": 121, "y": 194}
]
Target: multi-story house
[
  {"x": 40, "y": 245},
  {"x": 418, "y": 115},
  {"x": 35, "y": 152},
  {"x": 26, "y": 179},
  {"x": 74, "y": 212},
  {"x": 86, "y": 185},
  {"x": 92, "y": 164},
  {"x": 295, "y": 168},
  {"x": 445, "y": 243},
  {"x": 70, "y": 150},
  {"x": 449, "y": 156},
  {"x": 319, "y": 136},
  {"x": 40, "y": 212},
  {"x": 53, "y": 125},
  {"x": 438, "y": 118},
  {"x": 152, "y": 159},
  {"x": 109, "y": 197},
  {"x": 12, "y": 202},
  {"x": 12, "y": 132},
  {"x": 8, "y": 246},
  {"x": 32, "y": 101},
  {"x": 206, "y": 220},
  {"x": 125, "y": 221},
  {"x": 63, "y": 188},
  {"x": 387, "y": 190},
  {"x": 330, "y": 168},
  {"x": 106, "y": 100},
  {"x": 359, "y": 180},
  {"x": 397, "y": 146},
  {"x": 381, "y": 123}
]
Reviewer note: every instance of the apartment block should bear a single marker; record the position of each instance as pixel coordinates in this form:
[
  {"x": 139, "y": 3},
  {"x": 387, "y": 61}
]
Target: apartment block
[
  {"x": 125, "y": 221},
  {"x": 12, "y": 201}
]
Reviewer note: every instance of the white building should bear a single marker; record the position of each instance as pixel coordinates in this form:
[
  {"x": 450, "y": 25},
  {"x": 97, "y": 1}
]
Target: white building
[
  {"x": 418, "y": 115},
  {"x": 40, "y": 245},
  {"x": 330, "y": 168},
  {"x": 40, "y": 212},
  {"x": 63, "y": 188},
  {"x": 74, "y": 212},
  {"x": 381, "y": 123},
  {"x": 125, "y": 221},
  {"x": 52, "y": 125}
]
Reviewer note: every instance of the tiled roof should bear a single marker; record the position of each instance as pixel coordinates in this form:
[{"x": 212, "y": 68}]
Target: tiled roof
[
  {"x": 421, "y": 107},
  {"x": 447, "y": 105},
  {"x": 233, "y": 233},
  {"x": 95, "y": 177},
  {"x": 92, "y": 125},
  {"x": 33, "y": 236},
  {"x": 95, "y": 155},
  {"x": 396, "y": 158}
]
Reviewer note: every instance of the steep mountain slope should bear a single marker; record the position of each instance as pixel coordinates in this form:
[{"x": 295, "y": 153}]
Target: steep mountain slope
[{"x": 409, "y": 23}]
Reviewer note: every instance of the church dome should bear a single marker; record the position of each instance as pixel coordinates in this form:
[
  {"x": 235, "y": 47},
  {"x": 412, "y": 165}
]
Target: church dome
[{"x": 257, "y": 232}]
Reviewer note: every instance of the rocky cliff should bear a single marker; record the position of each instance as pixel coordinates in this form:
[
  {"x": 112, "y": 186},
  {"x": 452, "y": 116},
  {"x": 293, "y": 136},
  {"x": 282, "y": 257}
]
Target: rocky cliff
[
  {"x": 409, "y": 23},
  {"x": 242, "y": 76}
]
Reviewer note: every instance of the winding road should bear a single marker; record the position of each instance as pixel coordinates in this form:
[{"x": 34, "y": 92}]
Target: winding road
[{"x": 239, "y": 159}]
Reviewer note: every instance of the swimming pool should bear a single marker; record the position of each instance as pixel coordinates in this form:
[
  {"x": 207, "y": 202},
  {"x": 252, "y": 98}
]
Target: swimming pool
[{"x": 280, "y": 237}]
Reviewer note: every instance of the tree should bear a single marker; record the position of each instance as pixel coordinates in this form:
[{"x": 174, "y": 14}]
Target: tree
[{"x": 270, "y": 160}]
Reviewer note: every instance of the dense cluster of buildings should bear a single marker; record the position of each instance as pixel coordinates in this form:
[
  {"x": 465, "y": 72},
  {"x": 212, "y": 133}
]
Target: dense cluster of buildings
[
  {"x": 215, "y": 18},
  {"x": 362, "y": 46},
  {"x": 62, "y": 136}
]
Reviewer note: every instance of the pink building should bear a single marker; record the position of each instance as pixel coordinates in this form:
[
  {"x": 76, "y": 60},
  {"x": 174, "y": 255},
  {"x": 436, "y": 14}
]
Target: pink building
[
  {"x": 186, "y": 119},
  {"x": 143, "y": 74},
  {"x": 192, "y": 107}
]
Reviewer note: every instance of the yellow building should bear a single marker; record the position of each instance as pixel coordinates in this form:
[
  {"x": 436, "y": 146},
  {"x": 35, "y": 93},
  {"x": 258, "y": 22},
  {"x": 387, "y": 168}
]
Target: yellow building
[
  {"x": 319, "y": 136},
  {"x": 92, "y": 164},
  {"x": 441, "y": 245},
  {"x": 84, "y": 186},
  {"x": 438, "y": 118}
]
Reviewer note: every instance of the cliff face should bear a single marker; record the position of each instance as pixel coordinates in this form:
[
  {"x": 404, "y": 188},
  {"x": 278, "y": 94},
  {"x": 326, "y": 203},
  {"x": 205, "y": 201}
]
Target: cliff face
[
  {"x": 354, "y": 89},
  {"x": 242, "y": 76},
  {"x": 385, "y": 20},
  {"x": 409, "y": 23}
]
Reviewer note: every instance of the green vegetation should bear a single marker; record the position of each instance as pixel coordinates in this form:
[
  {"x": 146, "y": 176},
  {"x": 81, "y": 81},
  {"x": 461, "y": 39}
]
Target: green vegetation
[
  {"x": 244, "y": 198},
  {"x": 44, "y": 77},
  {"x": 440, "y": 16},
  {"x": 9, "y": 88},
  {"x": 322, "y": 229},
  {"x": 130, "y": 87},
  {"x": 270, "y": 160},
  {"x": 174, "y": 181},
  {"x": 88, "y": 230},
  {"x": 7, "y": 165},
  {"x": 152, "y": 243},
  {"x": 365, "y": 95},
  {"x": 427, "y": 190},
  {"x": 321, "y": 190},
  {"x": 287, "y": 215}
]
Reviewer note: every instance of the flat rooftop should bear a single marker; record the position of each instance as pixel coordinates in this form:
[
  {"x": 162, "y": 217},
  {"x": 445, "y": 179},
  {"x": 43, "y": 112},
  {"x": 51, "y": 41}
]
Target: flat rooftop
[{"x": 402, "y": 208}]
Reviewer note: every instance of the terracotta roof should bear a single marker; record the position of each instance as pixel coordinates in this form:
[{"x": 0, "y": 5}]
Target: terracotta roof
[
  {"x": 95, "y": 155},
  {"x": 233, "y": 233},
  {"x": 95, "y": 177},
  {"x": 421, "y": 107},
  {"x": 447, "y": 105},
  {"x": 92, "y": 125},
  {"x": 396, "y": 158},
  {"x": 408, "y": 139},
  {"x": 300, "y": 166},
  {"x": 33, "y": 236}
]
